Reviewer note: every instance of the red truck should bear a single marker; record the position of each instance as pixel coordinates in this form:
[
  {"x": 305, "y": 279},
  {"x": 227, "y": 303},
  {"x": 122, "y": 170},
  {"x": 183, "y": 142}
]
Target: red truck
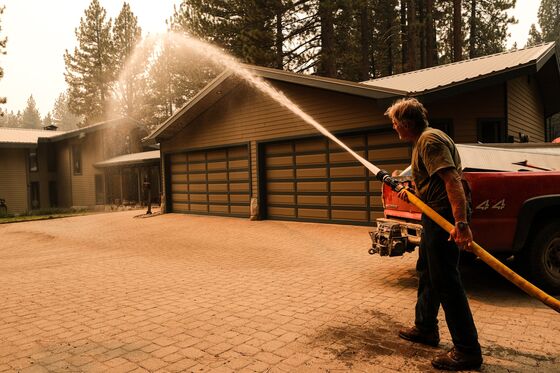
[{"x": 514, "y": 214}]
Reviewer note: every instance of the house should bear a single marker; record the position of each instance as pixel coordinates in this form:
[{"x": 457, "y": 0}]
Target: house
[
  {"x": 42, "y": 169},
  {"x": 234, "y": 151}
]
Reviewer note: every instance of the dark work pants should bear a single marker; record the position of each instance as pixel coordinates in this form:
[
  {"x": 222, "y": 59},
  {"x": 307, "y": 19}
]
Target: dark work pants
[{"x": 440, "y": 283}]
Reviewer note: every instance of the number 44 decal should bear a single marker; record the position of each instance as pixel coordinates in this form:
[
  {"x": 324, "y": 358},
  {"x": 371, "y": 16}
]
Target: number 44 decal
[{"x": 500, "y": 205}]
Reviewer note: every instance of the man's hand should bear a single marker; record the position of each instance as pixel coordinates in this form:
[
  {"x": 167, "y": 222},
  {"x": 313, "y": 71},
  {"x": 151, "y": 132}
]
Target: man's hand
[
  {"x": 402, "y": 193},
  {"x": 462, "y": 237}
]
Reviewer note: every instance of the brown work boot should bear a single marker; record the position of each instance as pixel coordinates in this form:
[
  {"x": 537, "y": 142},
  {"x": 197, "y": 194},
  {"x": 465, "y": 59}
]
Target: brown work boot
[
  {"x": 457, "y": 360},
  {"x": 416, "y": 335}
]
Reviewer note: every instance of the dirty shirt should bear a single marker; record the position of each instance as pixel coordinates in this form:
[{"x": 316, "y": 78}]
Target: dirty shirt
[{"x": 433, "y": 151}]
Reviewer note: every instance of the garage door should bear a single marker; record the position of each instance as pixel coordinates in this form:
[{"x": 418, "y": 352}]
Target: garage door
[
  {"x": 316, "y": 180},
  {"x": 214, "y": 182}
]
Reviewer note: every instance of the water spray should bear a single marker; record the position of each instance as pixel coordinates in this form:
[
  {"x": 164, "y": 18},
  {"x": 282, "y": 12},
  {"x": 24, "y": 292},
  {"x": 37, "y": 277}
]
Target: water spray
[{"x": 231, "y": 63}]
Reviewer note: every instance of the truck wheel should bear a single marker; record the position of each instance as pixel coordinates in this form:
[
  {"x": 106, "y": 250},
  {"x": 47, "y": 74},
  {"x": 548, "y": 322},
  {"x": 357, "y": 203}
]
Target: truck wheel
[{"x": 542, "y": 260}]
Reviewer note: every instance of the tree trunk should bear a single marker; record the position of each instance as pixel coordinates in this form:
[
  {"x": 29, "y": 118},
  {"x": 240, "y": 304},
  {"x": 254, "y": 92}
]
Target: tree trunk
[
  {"x": 404, "y": 36},
  {"x": 279, "y": 57},
  {"x": 365, "y": 33},
  {"x": 422, "y": 32},
  {"x": 327, "y": 62},
  {"x": 430, "y": 34},
  {"x": 412, "y": 35},
  {"x": 472, "y": 38},
  {"x": 457, "y": 39}
]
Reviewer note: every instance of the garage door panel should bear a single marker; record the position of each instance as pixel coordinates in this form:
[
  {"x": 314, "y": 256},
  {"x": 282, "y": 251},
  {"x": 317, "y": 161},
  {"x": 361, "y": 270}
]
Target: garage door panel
[
  {"x": 179, "y": 197},
  {"x": 349, "y": 200},
  {"x": 221, "y": 198},
  {"x": 179, "y": 178},
  {"x": 217, "y": 176},
  {"x": 238, "y": 152},
  {"x": 214, "y": 155},
  {"x": 345, "y": 157},
  {"x": 281, "y": 212},
  {"x": 240, "y": 210},
  {"x": 239, "y": 198},
  {"x": 180, "y": 207},
  {"x": 313, "y": 213},
  {"x": 178, "y": 168},
  {"x": 178, "y": 158},
  {"x": 199, "y": 207},
  {"x": 352, "y": 171},
  {"x": 217, "y": 166},
  {"x": 278, "y": 148},
  {"x": 390, "y": 153},
  {"x": 197, "y": 167},
  {"x": 280, "y": 161},
  {"x": 312, "y": 186},
  {"x": 353, "y": 142},
  {"x": 241, "y": 163},
  {"x": 281, "y": 199},
  {"x": 311, "y": 159},
  {"x": 280, "y": 187},
  {"x": 197, "y": 178},
  {"x": 239, "y": 187},
  {"x": 216, "y": 188},
  {"x": 241, "y": 175},
  {"x": 311, "y": 145},
  {"x": 198, "y": 197},
  {"x": 350, "y": 215},
  {"x": 348, "y": 186},
  {"x": 223, "y": 209},
  {"x": 279, "y": 174},
  {"x": 310, "y": 173},
  {"x": 312, "y": 200},
  {"x": 179, "y": 188}
]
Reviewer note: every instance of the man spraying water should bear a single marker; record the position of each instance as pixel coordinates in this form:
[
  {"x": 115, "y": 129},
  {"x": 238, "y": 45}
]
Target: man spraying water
[{"x": 436, "y": 170}]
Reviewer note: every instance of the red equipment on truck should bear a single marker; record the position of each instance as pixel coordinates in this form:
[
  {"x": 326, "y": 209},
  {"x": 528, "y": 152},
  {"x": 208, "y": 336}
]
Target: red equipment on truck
[{"x": 514, "y": 212}]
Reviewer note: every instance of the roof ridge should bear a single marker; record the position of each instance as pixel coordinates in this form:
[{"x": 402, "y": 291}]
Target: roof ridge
[{"x": 458, "y": 62}]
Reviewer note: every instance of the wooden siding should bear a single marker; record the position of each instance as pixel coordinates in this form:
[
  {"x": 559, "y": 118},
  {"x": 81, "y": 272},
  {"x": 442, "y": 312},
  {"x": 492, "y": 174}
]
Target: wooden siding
[
  {"x": 464, "y": 110},
  {"x": 245, "y": 115},
  {"x": 83, "y": 186},
  {"x": 13, "y": 179},
  {"x": 64, "y": 174},
  {"x": 525, "y": 109}
]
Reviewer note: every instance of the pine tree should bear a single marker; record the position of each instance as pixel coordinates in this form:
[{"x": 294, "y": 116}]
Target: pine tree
[
  {"x": 90, "y": 70},
  {"x": 62, "y": 117},
  {"x": 129, "y": 62},
  {"x": 549, "y": 19},
  {"x": 3, "y": 42},
  {"x": 535, "y": 36},
  {"x": 47, "y": 120},
  {"x": 488, "y": 23},
  {"x": 31, "y": 117}
]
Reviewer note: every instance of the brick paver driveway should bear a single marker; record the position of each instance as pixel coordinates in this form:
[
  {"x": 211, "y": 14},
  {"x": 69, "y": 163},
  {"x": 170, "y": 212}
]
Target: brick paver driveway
[{"x": 112, "y": 292}]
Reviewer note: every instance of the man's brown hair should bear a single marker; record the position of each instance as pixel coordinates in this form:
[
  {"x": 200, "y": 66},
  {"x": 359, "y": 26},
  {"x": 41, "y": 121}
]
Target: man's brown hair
[{"x": 409, "y": 112}]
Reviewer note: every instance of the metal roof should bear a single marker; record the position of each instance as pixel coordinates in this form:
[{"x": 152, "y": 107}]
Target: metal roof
[
  {"x": 23, "y": 137},
  {"x": 131, "y": 159},
  {"x": 443, "y": 76},
  {"x": 511, "y": 158}
]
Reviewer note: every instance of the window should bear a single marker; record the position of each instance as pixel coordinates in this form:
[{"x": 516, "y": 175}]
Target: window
[
  {"x": 51, "y": 158},
  {"x": 33, "y": 165},
  {"x": 445, "y": 125},
  {"x": 491, "y": 131},
  {"x": 552, "y": 127},
  {"x": 34, "y": 195},
  {"x": 77, "y": 159}
]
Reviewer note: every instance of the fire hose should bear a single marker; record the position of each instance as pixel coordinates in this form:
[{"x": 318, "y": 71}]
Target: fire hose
[{"x": 484, "y": 255}]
